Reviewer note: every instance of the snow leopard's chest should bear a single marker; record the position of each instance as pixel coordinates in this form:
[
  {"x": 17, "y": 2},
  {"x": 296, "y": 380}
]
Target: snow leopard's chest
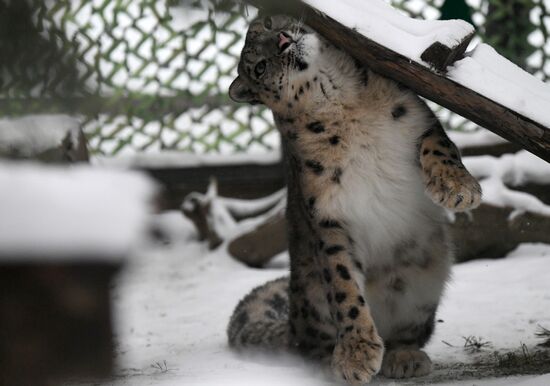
[{"x": 381, "y": 196}]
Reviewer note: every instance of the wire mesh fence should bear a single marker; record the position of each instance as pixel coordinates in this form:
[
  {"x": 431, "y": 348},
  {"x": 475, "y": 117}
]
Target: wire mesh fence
[{"x": 151, "y": 75}]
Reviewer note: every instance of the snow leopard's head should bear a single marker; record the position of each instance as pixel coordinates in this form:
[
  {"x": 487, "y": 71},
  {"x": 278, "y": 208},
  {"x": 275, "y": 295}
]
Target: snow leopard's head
[{"x": 280, "y": 55}]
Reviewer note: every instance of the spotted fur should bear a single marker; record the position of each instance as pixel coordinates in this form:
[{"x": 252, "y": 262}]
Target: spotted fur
[{"x": 369, "y": 170}]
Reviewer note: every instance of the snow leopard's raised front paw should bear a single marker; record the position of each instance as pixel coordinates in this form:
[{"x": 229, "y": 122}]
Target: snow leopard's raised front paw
[
  {"x": 357, "y": 360},
  {"x": 456, "y": 190},
  {"x": 403, "y": 363}
]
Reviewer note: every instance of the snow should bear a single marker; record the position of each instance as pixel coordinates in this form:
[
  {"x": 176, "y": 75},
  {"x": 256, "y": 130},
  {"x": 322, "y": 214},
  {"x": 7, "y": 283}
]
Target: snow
[
  {"x": 509, "y": 170},
  {"x": 173, "y": 303},
  {"x": 170, "y": 158},
  {"x": 70, "y": 212},
  {"x": 486, "y": 72},
  {"x": 480, "y": 137},
  {"x": 33, "y": 134},
  {"x": 383, "y": 24}
]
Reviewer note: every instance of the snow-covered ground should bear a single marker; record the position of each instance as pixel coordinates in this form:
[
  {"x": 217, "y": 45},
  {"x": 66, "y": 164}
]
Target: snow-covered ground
[{"x": 173, "y": 302}]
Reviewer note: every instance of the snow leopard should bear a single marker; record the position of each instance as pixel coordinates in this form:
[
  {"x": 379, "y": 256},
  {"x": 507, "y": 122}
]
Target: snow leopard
[{"x": 370, "y": 174}]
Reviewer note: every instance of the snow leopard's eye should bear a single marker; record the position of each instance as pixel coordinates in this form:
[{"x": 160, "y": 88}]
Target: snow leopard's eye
[
  {"x": 259, "y": 70},
  {"x": 268, "y": 23}
]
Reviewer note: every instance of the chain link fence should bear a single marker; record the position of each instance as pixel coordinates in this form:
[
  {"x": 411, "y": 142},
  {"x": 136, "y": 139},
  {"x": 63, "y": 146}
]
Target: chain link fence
[{"x": 152, "y": 75}]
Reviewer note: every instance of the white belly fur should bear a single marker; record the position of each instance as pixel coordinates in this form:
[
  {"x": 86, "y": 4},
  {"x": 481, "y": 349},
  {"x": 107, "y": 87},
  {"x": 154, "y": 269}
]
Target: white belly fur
[{"x": 383, "y": 204}]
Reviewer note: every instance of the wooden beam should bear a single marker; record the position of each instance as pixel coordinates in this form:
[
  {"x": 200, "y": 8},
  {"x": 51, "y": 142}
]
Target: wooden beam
[
  {"x": 245, "y": 181},
  {"x": 428, "y": 83}
]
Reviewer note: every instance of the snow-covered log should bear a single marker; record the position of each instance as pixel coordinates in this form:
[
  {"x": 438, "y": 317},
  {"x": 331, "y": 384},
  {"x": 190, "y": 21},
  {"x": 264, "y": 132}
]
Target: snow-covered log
[
  {"x": 219, "y": 218},
  {"x": 48, "y": 138},
  {"x": 429, "y": 58}
]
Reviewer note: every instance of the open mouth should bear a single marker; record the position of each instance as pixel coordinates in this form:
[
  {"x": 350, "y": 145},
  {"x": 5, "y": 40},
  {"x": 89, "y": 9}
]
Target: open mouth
[{"x": 285, "y": 41}]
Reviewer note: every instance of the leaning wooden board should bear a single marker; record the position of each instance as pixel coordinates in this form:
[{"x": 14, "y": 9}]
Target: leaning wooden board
[{"x": 429, "y": 83}]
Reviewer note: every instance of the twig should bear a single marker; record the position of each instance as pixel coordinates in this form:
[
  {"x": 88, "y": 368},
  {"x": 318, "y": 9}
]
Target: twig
[
  {"x": 474, "y": 344},
  {"x": 543, "y": 333}
]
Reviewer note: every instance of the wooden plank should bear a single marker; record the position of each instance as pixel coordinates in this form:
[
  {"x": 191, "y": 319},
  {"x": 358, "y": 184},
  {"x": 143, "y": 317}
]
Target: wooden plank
[
  {"x": 432, "y": 85},
  {"x": 240, "y": 181}
]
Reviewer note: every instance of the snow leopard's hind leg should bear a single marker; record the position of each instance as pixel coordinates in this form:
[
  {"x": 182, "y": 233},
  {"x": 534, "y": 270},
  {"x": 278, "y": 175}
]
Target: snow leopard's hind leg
[
  {"x": 261, "y": 319},
  {"x": 403, "y": 357}
]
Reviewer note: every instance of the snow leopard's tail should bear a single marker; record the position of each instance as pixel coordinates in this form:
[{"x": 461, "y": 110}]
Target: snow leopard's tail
[{"x": 261, "y": 319}]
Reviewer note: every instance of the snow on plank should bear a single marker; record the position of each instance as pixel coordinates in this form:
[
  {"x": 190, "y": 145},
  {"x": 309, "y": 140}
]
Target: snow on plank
[
  {"x": 512, "y": 121},
  {"x": 57, "y": 213},
  {"x": 498, "y": 79}
]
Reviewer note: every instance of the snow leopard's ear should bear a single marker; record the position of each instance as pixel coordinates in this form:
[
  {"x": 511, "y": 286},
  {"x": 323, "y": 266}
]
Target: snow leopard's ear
[{"x": 239, "y": 91}]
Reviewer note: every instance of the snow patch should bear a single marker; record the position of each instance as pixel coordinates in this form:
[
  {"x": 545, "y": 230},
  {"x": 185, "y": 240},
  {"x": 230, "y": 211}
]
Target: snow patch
[
  {"x": 71, "y": 212},
  {"x": 33, "y": 134},
  {"x": 480, "y": 137}
]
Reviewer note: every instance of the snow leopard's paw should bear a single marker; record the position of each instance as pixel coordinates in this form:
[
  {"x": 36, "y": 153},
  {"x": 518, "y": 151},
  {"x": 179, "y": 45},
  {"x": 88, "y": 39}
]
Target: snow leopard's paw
[
  {"x": 454, "y": 189},
  {"x": 357, "y": 360},
  {"x": 405, "y": 363}
]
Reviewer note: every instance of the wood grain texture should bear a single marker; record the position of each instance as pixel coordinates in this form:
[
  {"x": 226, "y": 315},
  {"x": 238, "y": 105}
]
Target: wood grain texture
[{"x": 434, "y": 86}]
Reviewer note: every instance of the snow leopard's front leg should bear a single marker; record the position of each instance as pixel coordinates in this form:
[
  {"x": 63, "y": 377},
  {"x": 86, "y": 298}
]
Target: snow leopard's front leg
[
  {"x": 359, "y": 349},
  {"x": 448, "y": 183}
]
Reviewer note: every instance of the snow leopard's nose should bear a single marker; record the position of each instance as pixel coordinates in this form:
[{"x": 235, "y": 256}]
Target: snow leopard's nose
[{"x": 284, "y": 41}]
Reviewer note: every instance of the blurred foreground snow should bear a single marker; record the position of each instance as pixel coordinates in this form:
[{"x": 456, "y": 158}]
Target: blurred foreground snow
[{"x": 60, "y": 212}]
